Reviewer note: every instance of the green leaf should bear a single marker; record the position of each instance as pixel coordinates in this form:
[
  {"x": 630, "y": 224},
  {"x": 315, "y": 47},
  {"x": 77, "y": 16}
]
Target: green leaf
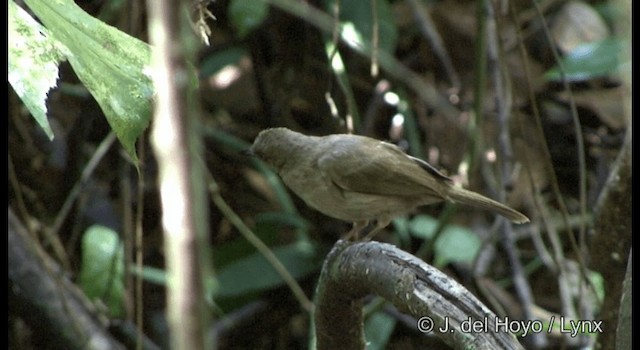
[
  {"x": 112, "y": 65},
  {"x": 589, "y": 61},
  {"x": 378, "y": 328},
  {"x": 456, "y": 244},
  {"x": 253, "y": 273},
  {"x": 401, "y": 225},
  {"x": 33, "y": 63},
  {"x": 598, "y": 282},
  {"x": 102, "y": 271},
  {"x": 245, "y": 15},
  {"x": 240, "y": 248},
  {"x": 401, "y": 228},
  {"x": 423, "y": 226}
]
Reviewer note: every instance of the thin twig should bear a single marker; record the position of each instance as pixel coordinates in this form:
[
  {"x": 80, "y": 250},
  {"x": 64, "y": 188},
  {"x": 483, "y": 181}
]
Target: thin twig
[
  {"x": 388, "y": 62},
  {"x": 503, "y": 108},
  {"x": 559, "y": 264},
  {"x": 477, "y": 140},
  {"x": 430, "y": 33},
  {"x": 84, "y": 177},
  {"x": 126, "y": 198},
  {"x": 86, "y": 174},
  {"x": 582, "y": 170},
  {"x": 560, "y": 269},
  {"x": 139, "y": 247},
  {"x": 262, "y": 248},
  {"x": 580, "y": 248},
  {"x": 17, "y": 191}
]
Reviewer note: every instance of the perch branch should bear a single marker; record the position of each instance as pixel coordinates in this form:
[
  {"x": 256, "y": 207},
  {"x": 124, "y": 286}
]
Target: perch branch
[
  {"x": 351, "y": 271},
  {"x": 42, "y": 296}
]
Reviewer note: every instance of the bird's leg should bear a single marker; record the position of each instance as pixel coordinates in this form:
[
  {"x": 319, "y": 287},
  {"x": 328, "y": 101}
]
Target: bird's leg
[
  {"x": 358, "y": 226},
  {"x": 380, "y": 224}
]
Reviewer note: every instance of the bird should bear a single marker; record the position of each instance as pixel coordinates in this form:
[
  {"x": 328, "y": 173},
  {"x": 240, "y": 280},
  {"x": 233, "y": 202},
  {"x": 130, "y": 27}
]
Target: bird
[{"x": 360, "y": 179}]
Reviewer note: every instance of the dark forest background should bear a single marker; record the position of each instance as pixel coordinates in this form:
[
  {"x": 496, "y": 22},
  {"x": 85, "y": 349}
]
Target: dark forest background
[{"x": 534, "y": 111}]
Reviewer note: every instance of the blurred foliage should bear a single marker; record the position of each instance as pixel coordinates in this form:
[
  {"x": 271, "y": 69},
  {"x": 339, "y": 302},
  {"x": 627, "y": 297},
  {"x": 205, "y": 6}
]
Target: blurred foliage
[
  {"x": 272, "y": 66},
  {"x": 453, "y": 244},
  {"x": 102, "y": 271},
  {"x": 247, "y": 15},
  {"x": 589, "y": 61}
]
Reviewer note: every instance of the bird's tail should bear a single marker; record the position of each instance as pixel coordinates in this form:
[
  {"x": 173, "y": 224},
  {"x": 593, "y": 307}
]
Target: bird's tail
[{"x": 463, "y": 196}]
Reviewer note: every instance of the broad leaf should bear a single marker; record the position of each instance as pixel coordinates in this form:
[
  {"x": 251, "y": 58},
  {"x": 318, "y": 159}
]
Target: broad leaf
[
  {"x": 33, "y": 63},
  {"x": 112, "y": 65},
  {"x": 254, "y": 273},
  {"x": 378, "y": 328},
  {"x": 589, "y": 61},
  {"x": 102, "y": 270},
  {"x": 454, "y": 244}
]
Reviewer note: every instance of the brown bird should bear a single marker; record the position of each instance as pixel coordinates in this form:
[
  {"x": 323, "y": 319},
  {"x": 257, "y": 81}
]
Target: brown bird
[{"x": 359, "y": 179}]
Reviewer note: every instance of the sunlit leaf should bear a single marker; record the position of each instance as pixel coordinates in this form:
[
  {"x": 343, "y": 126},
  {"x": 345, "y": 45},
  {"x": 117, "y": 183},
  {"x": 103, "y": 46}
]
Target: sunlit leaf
[
  {"x": 112, "y": 65},
  {"x": 33, "y": 63}
]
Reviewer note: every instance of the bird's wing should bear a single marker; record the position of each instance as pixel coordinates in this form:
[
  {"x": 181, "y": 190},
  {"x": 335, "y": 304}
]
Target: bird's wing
[{"x": 381, "y": 168}]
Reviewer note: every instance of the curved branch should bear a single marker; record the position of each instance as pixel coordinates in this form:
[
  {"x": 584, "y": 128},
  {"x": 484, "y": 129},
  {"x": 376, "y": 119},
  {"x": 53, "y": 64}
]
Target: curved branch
[
  {"x": 48, "y": 301},
  {"x": 351, "y": 271}
]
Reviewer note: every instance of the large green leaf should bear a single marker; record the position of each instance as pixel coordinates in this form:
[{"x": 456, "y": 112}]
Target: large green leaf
[
  {"x": 378, "y": 328},
  {"x": 423, "y": 226},
  {"x": 253, "y": 273},
  {"x": 454, "y": 244},
  {"x": 33, "y": 63},
  {"x": 589, "y": 61},
  {"x": 111, "y": 64},
  {"x": 102, "y": 271}
]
